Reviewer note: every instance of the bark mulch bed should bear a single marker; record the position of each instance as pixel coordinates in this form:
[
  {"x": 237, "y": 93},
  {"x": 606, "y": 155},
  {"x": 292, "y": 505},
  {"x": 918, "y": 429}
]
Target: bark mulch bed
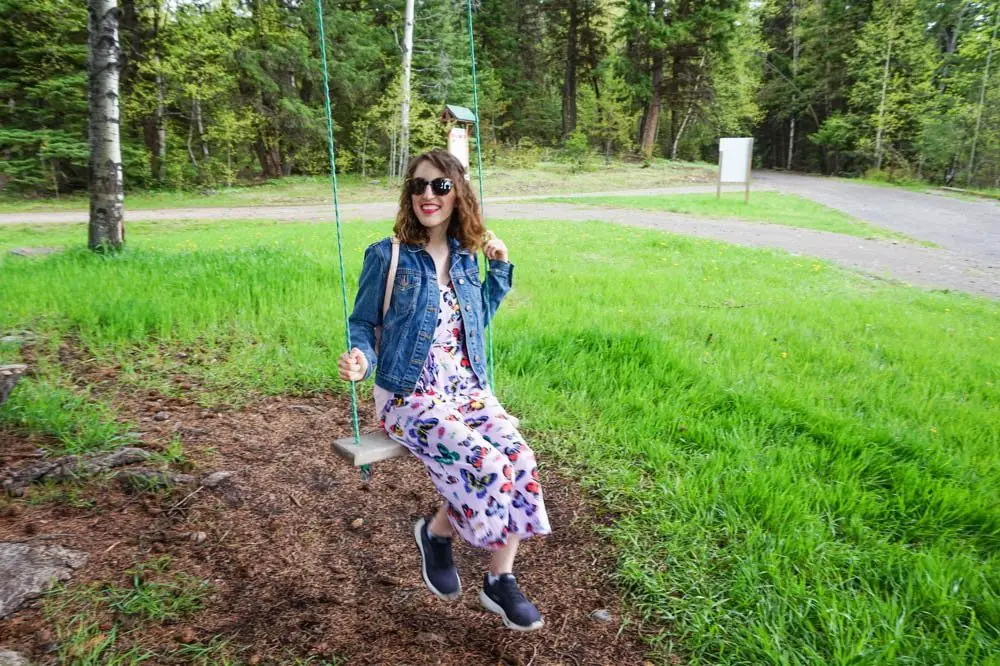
[{"x": 293, "y": 573}]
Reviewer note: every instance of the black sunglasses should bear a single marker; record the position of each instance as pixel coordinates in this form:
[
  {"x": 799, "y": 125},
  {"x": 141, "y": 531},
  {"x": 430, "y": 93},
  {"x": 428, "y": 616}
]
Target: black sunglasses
[{"x": 440, "y": 186}]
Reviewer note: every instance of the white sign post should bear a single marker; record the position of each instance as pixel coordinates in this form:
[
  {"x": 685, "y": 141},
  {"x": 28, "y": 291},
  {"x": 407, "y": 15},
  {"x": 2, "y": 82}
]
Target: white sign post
[
  {"x": 735, "y": 160},
  {"x": 458, "y": 145}
]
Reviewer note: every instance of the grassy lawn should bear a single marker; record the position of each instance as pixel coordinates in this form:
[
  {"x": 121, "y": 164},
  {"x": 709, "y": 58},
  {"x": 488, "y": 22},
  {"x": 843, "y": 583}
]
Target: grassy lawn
[
  {"x": 545, "y": 178},
  {"x": 803, "y": 465},
  {"x": 768, "y": 207}
]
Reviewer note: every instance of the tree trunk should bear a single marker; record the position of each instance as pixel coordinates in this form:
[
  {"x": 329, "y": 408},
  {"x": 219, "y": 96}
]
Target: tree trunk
[
  {"x": 569, "y": 81},
  {"x": 881, "y": 106},
  {"x": 161, "y": 126},
  {"x": 982, "y": 98},
  {"x": 200, "y": 127},
  {"x": 651, "y": 120},
  {"x": 269, "y": 155},
  {"x": 107, "y": 198},
  {"x": 689, "y": 111},
  {"x": 194, "y": 160},
  {"x": 404, "y": 138},
  {"x": 795, "y": 72}
]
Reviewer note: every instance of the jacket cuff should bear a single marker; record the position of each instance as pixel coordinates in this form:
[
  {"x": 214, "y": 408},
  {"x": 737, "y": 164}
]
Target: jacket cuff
[{"x": 501, "y": 268}]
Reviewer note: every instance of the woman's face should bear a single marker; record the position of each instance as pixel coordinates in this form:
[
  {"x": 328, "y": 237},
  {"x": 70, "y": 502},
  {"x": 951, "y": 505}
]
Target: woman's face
[{"x": 431, "y": 209}]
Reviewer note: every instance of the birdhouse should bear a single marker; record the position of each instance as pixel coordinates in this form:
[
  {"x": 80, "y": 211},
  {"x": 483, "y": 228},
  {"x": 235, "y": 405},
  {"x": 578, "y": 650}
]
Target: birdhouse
[{"x": 458, "y": 115}]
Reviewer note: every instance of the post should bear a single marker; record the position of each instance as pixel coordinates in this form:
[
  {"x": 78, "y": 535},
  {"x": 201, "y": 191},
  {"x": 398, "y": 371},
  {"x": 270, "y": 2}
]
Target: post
[
  {"x": 718, "y": 185},
  {"x": 404, "y": 148},
  {"x": 746, "y": 193}
]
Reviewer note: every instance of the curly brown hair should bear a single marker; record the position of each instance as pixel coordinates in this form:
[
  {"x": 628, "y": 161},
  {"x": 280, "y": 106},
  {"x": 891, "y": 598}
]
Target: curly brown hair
[{"x": 466, "y": 223}]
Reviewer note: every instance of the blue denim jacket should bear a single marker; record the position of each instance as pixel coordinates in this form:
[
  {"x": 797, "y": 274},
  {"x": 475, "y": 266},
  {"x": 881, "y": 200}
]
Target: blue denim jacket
[{"x": 408, "y": 329}]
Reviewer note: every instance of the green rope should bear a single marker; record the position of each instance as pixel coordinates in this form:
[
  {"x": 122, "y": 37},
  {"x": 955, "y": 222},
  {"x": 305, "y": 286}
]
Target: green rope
[
  {"x": 365, "y": 469},
  {"x": 482, "y": 207}
]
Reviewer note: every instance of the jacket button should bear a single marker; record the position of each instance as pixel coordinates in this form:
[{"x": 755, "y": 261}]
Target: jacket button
[
  {"x": 461, "y": 280},
  {"x": 476, "y": 359},
  {"x": 468, "y": 308}
]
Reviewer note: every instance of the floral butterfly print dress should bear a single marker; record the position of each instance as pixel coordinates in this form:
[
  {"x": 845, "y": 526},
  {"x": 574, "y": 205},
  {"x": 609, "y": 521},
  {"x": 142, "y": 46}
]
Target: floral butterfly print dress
[{"x": 475, "y": 456}]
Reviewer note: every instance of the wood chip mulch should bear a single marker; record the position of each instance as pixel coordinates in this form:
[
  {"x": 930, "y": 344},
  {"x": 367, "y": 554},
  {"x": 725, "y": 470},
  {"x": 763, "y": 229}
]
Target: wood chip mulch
[{"x": 291, "y": 577}]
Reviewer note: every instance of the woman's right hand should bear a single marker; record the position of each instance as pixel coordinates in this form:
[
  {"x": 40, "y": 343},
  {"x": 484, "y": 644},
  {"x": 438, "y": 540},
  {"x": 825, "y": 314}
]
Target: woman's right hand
[{"x": 352, "y": 365}]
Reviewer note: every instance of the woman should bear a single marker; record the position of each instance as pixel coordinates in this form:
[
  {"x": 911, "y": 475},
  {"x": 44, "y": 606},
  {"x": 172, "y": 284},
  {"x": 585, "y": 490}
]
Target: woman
[{"x": 432, "y": 387}]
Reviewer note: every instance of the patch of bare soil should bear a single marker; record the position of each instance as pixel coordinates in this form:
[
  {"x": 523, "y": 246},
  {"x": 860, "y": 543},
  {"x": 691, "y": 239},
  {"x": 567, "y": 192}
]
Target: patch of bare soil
[{"x": 294, "y": 573}]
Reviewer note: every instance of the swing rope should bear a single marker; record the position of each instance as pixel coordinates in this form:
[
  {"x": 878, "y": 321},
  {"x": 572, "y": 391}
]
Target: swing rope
[
  {"x": 482, "y": 205},
  {"x": 366, "y": 469}
]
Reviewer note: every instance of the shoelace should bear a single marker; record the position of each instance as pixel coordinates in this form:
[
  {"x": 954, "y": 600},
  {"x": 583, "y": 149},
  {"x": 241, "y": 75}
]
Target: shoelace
[{"x": 510, "y": 589}]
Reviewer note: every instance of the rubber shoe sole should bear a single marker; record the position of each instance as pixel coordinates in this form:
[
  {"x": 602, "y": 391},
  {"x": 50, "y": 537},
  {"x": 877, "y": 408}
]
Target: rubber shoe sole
[
  {"x": 417, "y": 527},
  {"x": 494, "y": 607}
]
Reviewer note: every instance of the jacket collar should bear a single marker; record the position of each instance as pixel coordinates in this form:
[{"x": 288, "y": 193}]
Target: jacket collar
[{"x": 453, "y": 245}]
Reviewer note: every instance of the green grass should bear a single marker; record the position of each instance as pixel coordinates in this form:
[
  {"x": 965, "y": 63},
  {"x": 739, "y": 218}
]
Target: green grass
[
  {"x": 88, "y": 619},
  {"x": 154, "y": 597},
  {"x": 545, "y": 178},
  {"x": 72, "y": 422},
  {"x": 768, "y": 207},
  {"x": 803, "y": 464}
]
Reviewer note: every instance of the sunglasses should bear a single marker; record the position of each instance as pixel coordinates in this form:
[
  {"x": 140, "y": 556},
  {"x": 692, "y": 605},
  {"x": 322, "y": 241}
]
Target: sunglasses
[{"x": 440, "y": 186}]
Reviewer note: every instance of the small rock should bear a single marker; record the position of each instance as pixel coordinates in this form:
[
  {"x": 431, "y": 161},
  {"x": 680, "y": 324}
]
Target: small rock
[
  {"x": 601, "y": 615},
  {"x": 357, "y": 523},
  {"x": 254, "y": 660},
  {"x": 161, "y": 416},
  {"x": 216, "y": 478},
  {"x": 429, "y": 638},
  {"x": 30, "y": 569},
  {"x": 33, "y": 251},
  {"x": 11, "y": 511},
  {"x": 186, "y": 635},
  {"x": 198, "y": 538},
  {"x": 304, "y": 409},
  {"x": 11, "y": 658}
]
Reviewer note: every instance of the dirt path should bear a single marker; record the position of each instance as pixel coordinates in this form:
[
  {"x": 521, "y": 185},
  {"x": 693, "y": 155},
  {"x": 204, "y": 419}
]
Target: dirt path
[
  {"x": 968, "y": 232},
  {"x": 291, "y": 577}
]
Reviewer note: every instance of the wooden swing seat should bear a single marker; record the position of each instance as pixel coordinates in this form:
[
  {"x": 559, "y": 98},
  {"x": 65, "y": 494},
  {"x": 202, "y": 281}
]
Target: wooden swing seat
[{"x": 372, "y": 447}]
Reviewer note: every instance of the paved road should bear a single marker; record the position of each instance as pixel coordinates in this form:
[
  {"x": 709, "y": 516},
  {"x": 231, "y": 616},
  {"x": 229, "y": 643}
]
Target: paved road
[
  {"x": 968, "y": 232},
  {"x": 969, "y": 227}
]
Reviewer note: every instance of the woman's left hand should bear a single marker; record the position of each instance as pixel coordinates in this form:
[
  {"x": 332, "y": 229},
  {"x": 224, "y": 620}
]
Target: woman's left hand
[{"x": 495, "y": 248}]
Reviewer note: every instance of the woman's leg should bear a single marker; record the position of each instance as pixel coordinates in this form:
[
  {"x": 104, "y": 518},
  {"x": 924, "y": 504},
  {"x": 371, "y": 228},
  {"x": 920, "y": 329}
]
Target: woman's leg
[
  {"x": 439, "y": 525},
  {"x": 503, "y": 559}
]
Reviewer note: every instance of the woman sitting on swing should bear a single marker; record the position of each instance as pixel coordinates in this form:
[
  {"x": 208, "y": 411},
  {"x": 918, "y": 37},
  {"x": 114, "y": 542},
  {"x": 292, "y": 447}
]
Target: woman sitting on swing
[{"x": 432, "y": 387}]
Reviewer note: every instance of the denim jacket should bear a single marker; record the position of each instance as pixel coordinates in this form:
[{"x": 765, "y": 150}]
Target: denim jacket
[{"x": 408, "y": 329}]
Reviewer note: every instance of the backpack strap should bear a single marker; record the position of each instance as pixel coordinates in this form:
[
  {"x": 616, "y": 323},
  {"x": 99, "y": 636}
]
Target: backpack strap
[{"x": 391, "y": 278}]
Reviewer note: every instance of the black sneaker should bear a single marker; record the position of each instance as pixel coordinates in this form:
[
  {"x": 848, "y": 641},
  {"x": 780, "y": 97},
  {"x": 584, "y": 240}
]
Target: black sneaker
[
  {"x": 438, "y": 567},
  {"x": 505, "y": 599}
]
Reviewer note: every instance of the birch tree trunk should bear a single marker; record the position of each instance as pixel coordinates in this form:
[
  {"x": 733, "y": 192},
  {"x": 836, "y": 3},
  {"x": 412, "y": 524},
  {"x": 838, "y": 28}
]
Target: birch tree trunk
[
  {"x": 982, "y": 98},
  {"x": 881, "y": 106},
  {"x": 404, "y": 139},
  {"x": 161, "y": 126},
  {"x": 107, "y": 199},
  {"x": 795, "y": 73},
  {"x": 690, "y": 110}
]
